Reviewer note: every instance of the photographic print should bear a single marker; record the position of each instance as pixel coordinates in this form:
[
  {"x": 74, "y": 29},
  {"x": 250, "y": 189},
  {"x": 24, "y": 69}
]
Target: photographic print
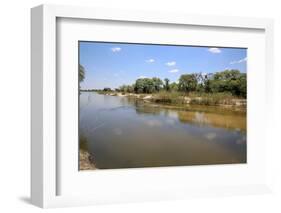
[{"x": 154, "y": 105}]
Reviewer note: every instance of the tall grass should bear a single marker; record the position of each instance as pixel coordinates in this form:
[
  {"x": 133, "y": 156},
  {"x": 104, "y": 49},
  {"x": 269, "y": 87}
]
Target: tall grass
[
  {"x": 212, "y": 98},
  {"x": 174, "y": 97}
]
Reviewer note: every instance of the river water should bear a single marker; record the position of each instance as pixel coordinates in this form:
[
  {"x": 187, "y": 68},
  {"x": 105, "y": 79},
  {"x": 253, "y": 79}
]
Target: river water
[{"x": 124, "y": 133}]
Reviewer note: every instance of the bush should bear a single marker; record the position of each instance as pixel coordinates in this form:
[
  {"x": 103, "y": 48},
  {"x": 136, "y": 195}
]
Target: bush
[{"x": 169, "y": 97}]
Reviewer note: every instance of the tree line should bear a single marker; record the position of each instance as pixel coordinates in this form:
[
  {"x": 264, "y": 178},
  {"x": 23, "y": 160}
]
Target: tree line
[{"x": 231, "y": 81}]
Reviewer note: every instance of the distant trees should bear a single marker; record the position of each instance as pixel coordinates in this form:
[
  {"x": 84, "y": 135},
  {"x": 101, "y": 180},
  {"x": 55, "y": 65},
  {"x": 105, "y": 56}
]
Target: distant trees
[
  {"x": 243, "y": 85},
  {"x": 188, "y": 83},
  {"x": 229, "y": 81},
  {"x": 148, "y": 85},
  {"x": 167, "y": 86},
  {"x": 232, "y": 81},
  {"x": 126, "y": 88},
  {"x": 107, "y": 89},
  {"x": 174, "y": 86},
  {"x": 157, "y": 84}
]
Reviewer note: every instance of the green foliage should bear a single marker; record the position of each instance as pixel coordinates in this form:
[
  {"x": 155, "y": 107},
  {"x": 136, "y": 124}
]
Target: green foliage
[
  {"x": 107, "y": 89},
  {"x": 211, "y": 98},
  {"x": 157, "y": 84},
  {"x": 188, "y": 82},
  {"x": 126, "y": 88},
  {"x": 170, "y": 97},
  {"x": 167, "y": 86},
  {"x": 228, "y": 81},
  {"x": 148, "y": 85},
  {"x": 212, "y": 87},
  {"x": 174, "y": 86},
  {"x": 243, "y": 85},
  {"x": 81, "y": 73}
]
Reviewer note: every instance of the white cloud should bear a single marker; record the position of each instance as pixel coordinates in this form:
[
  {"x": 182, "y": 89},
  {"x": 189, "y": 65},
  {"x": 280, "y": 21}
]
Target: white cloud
[
  {"x": 150, "y": 60},
  {"x": 239, "y": 61},
  {"x": 174, "y": 71},
  {"x": 142, "y": 76},
  {"x": 171, "y": 63},
  {"x": 214, "y": 50},
  {"x": 116, "y": 49}
]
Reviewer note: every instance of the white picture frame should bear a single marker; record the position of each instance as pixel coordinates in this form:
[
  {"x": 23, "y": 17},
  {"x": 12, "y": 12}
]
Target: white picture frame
[{"x": 44, "y": 149}]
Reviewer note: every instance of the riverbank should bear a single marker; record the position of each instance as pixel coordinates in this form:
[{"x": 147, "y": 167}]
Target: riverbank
[
  {"x": 180, "y": 99},
  {"x": 86, "y": 160}
]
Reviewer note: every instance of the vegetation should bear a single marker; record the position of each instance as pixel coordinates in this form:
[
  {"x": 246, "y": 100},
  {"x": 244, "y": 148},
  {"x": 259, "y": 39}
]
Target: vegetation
[
  {"x": 148, "y": 85},
  {"x": 228, "y": 87},
  {"x": 188, "y": 83},
  {"x": 228, "y": 81},
  {"x": 107, "y": 89},
  {"x": 81, "y": 73}
]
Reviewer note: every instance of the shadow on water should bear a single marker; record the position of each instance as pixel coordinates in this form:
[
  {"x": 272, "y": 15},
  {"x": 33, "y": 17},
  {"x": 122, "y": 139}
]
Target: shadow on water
[{"x": 128, "y": 133}]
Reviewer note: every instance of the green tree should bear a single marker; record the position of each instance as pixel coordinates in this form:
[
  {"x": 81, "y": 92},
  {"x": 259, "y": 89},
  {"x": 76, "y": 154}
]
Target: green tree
[
  {"x": 174, "y": 86},
  {"x": 243, "y": 85},
  {"x": 201, "y": 81},
  {"x": 229, "y": 81},
  {"x": 188, "y": 82},
  {"x": 167, "y": 86},
  {"x": 81, "y": 73},
  {"x": 147, "y": 85},
  {"x": 126, "y": 88},
  {"x": 107, "y": 89},
  {"x": 139, "y": 85},
  {"x": 207, "y": 86},
  {"x": 157, "y": 83}
]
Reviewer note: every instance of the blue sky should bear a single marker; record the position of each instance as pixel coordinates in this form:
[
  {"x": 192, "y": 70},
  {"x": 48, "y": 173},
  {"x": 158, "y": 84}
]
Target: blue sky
[{"x": 114, "y": 64}]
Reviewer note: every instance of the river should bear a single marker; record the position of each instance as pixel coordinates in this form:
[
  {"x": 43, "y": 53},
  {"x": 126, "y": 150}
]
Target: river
[{"x": 124, "y": 133}]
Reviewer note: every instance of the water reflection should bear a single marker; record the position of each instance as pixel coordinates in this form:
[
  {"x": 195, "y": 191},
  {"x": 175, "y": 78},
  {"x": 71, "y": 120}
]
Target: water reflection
[{"x": 125, "y": 133}]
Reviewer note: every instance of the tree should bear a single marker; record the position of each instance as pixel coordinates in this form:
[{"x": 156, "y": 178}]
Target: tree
[
  {"x": 188, "y": 83},
  {"x": 139, "y": 85},
  {"x": 148, "y": 85},
  {"x": 157, "y": 83},
  {"x": 81, "y": 73},
  {"x": 107, "y": 89},
  {"x": 167, "y": 86},
  {"x": 243, "y": 85},
  {"x": 126, "y": 88},
  {"x": 207, "y": 86},
  {"x": 229, "y": 81},
  {"x": 174, "y": 86},
  {"x": 201, "y": 81}
]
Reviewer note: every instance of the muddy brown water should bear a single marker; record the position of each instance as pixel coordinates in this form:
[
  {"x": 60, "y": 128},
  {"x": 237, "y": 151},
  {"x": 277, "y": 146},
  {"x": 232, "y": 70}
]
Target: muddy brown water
[{"x": 123, "y": 133}]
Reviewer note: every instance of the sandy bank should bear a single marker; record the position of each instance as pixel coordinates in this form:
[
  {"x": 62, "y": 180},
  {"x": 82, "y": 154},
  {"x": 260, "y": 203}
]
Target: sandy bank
[
  {"x": 86, "y": 161},
  {"x": 234, "y": 102}
]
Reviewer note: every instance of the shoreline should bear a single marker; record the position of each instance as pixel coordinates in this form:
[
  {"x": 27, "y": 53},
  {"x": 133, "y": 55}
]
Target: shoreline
[
  {"x": 86, "y": 161},
  {"x": 185, "y": 101}
]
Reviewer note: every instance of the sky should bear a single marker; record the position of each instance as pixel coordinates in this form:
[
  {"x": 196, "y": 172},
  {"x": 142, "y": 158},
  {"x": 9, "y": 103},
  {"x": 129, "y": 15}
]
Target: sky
[{"x": 114, "y": 64}]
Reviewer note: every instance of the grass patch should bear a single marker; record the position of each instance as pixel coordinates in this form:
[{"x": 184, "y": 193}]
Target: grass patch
[
  {"x": 212, "y": 98},
  {"x": 169, "y": 97}
]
